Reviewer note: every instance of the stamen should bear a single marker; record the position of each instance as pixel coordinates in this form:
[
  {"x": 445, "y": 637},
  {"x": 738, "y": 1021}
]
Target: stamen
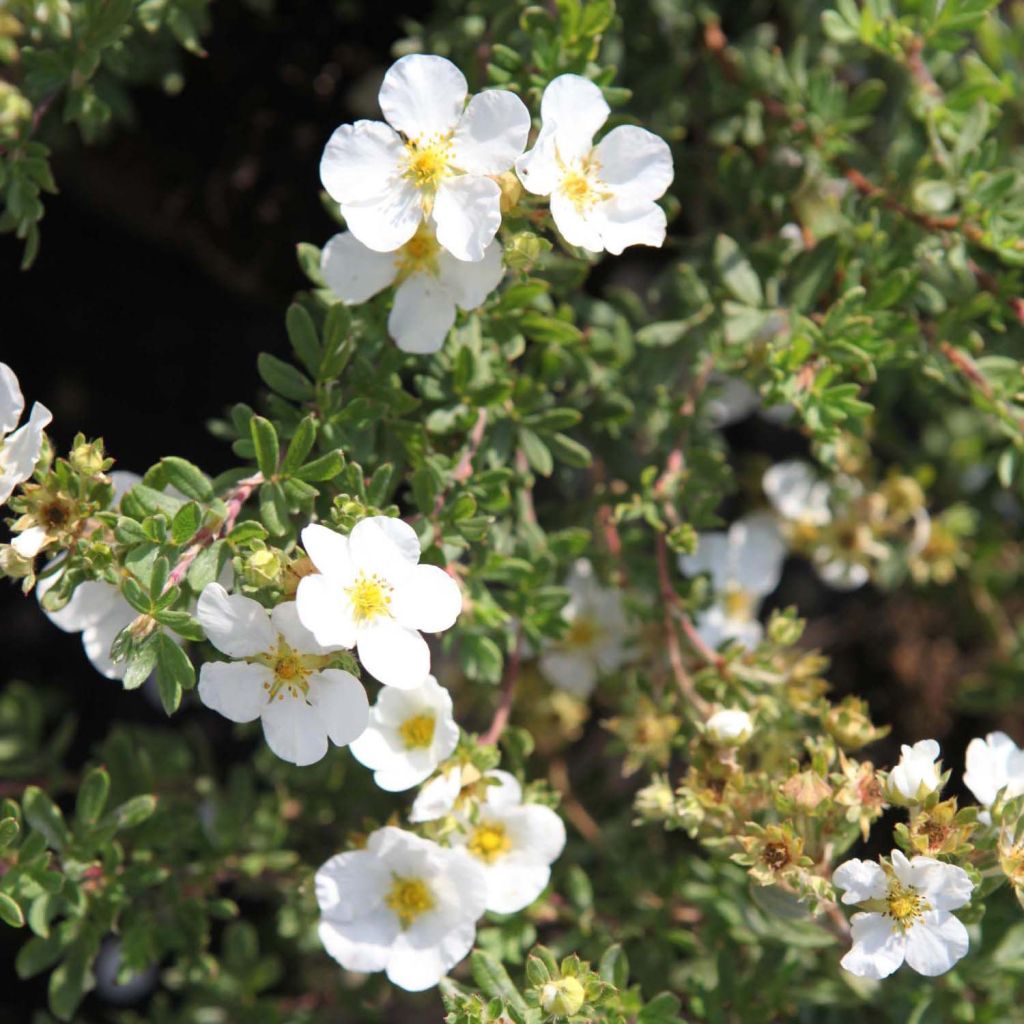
[
  {"x": 370, "y": 597},
  {"x": 489, "y": 841},
  {"x": 408, "y": 898},
  {"x": 417, "y": 732}
]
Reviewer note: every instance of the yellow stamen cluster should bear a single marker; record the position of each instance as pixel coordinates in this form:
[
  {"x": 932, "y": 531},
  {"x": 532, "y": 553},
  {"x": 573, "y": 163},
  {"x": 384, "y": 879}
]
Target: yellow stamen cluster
[
  {"x": 739, "y": 604},
  {"x": 582, "y": 186},
  {"x": 370, "y": 597},
  {"x": 291, "y": 671},
  {"x": 489, "y": 841},
  {"x": 417, "y": 732},
  {"x": 427, "y": 161},
  {"x": 418, "y": 255},
  {"x": 408, "y": 898},
  {"x": 582, "y": 633},
  {"x": 904, "y": 905}
]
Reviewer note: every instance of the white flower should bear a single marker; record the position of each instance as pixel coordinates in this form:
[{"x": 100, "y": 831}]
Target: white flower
[
  {"x": 437, "y": 798},
  {"x": 515, "y": 843},
  {"x": 730, "y": 727},
  {"x": 371, "y": 594},
  {"x": 403, "y": 905},
  {"x": 436, "y": 156},
  {"x": 430, "y": 283},
  {"x": 745, "y": 565},
  {"x": 409, "y": 734},
  {"x": 603, "y": 196},
  {"x": 994, "y": 763},
  {"x": 797, "y": 493},
  {"x": 595, "y": 642},
  {"x": 908, "y": 915},
  {"x": 19, "y": 449},
  {"x": 280, "y": 677},
  {"x": 917, "y": 775}
]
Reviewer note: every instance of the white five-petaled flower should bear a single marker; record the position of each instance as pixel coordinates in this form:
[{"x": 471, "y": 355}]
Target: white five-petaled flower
[
  {"x": 745, "y": 565},
  {"x": 280, "y": 676},
  {"x": 371, "y": 593},
  {"x": 907, "y": 916},
  {"x": 918, "y": 774},
  {"x": 797, "y": 493},
  {"x": 595, "y": 640},
  {"x": 403, "y": 905},
  {"x": 515, "y": 843},
  {"x": 409, "y": 734},
  {"x": 19, "y": 449},
  {"x": 994, "y": 763},
  {"x": 730, "y": 727},
  {"x": 603, "y": 196},
  {"x": 430, "y": 283},
  {"x": 436, "y": 156}
]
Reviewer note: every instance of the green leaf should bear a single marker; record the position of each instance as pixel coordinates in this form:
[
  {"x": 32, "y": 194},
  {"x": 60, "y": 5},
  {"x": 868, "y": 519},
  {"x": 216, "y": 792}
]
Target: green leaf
[
  {"x": 537, "y": 453},
  {"x": 274, "y": 509},
  {"x": 300, "y": 445},
  {"x": 736, "y": 272},
  {"x": 569, "y": 451},
  {"x": 812, "y": 272},
  {"x": 264, "y": 440},
  {"x": 131, "y": 813},
  {"x": 327, "y": 467},
  {"x": 549, "y": 330},
  {"x": 45, "y": 817},
  {"x": 92, "y": 796},
  {"x": 69, "y": 983},
  {"x": 185, "y": 523},
  {"x": 9, "y": 829},
  {"x": 662, "y": 1009},
  {"x": 140, "y": 665},
  {"x": 188, "y": 479},
  {"x": 10, "y": 912},
  {"x": 174, "y": 672},
  {"x": 492, "y": 979},
  {"x": 614, "y": 967},
  {"x": 284, "y": 378},
  {"x": 302, "y": 335}
]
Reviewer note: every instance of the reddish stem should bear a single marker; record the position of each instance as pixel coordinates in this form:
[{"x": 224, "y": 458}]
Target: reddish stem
[{"x": 508, "y": 691}]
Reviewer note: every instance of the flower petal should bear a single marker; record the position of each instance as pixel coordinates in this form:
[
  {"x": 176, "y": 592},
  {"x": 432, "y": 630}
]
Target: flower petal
[
  {"x": 12, "y": 402},
  {"x": 352, "y": 884},
  {"x": 428, "y": 600},
  {"x": 385, "y": 546},
  {"x": 471, "y": 283},
  {"x": 387, "y": 221},
  {"x": 285, "y": 619},
  {"x": 945, "y": 886},
  {"x": 626, "y": 222},
  {"x": 363, "y": 944},
  {"x": 862, "y": 880},
  {"x": 467, "y": 210},
  {"x": 423, "y": 95},
  {"x": 877, "y": 949},
  {"x": 936, "y": 943},
  {"x": 576, "y": 108},
  {"x": 757, "y": 553},
  {"x": 569, "y": 670},
  {"x": 361, "y": 161},
  {"x": 537, "y": 831},
  {"x": 635, "y": 163},
  {"x": 539, "y": 170},
  {"x": 354, "y": 272},
  {"x": 329, "y": 551},
  {"x": 236, "y": 625},
  {"x": 392, "y": 654},
  {"x": 234, "y": 689},
  {"x": 325, "y": 611},
  {"x": 341, "y": 701},
  {"x": 98, "y": 638},
  {"x": 422, "y": 314},
  {"x": 712, "y": 557},
  {"x": 90, "y": 601},
  {"x": 511, "y": 886},
  {"x": 491, "y": 133},
  {"x": 294, "y": 730},
  {"x": 576, "y": 227},
  {"x": 19, "y": 453},
  {"x": 437, "y": 797},
  {"x": 29, "y": 543}
]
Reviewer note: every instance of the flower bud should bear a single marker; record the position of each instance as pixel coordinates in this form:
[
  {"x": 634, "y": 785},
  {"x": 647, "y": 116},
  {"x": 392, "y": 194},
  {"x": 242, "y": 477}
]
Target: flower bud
[
  {"x": 917, "y": 776},
  {"x": 511, "y": 190},
  {"x": 524, "y": 248},
  {"x": 263, "y": 568},
  {"x": 850, "y": 726},
  {"x": 730, "y": 728},
  {"x": 655, "y": 802},
  {"x": 562, "y": 998},
  {"x": 88, "y": 458}
]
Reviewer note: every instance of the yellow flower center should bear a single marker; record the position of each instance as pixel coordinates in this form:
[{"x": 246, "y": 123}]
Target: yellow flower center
[
  {"x": 291, "y": 671},
  {"x": 417, "y": 732},
  {"x": 489, "y": 841},
  {"x": 370, "y": 597},
  {"x": 418, "y": 255},
  {"x": 905, "y": 905},
  {"x": 582, "y": 633},
  {"x": 582, "y": 186},
  {"x": 408, "y": 898},
  {"x": 739, "y": 604},
  {"x": 426, "y": 161}
]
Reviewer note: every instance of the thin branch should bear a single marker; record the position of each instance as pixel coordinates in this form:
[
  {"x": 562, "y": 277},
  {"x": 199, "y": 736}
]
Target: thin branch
[
  {"x": 508, "y": 692},
  {"x": 558, "y": 774}
]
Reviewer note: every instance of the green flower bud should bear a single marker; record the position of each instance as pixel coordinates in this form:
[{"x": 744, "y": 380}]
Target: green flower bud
[{"x": 562, "y": 998}]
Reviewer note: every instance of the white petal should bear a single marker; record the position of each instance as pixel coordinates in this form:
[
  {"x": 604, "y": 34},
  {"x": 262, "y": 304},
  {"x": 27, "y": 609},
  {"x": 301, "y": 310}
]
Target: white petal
[
  {"x": 758, "y": 553},
  {"x": 284, "y": 617},
  {"x": 537, "y": 830},
  {"x": 428, "y": 600},
  {"x": 576, "y": 107},
  {"x": 582, "y": 229},
  {"x": 234, "y": 624},
  {"x": 294, "y": 730},
  {"x": 12, "y": 402},
  {"x": 416, "y": 970},
  {"x": 422, "y": 314},
  {"x": 437, "y": 798},
  {"x": 363, "y": 944},
  {"x": 325, "y": 611},
  {"x": 90, "y": 601},
  {"x": 19, "y": 453},
  {"x": 796, "y": 492},
  {"x": 471, "y": 283},
  {"x": 539, "y": 169},
  {"x": 634, "y": 163},
  {"x": 568, "y": 670},
  {"x": 98, "y": 638},
  {"x": 29, "y": 543},
  {"x": 507, "y": 792},
  {"x": 234, "y": 689},
  {"x": 511, "y": 886},
  {"x": 712, "y": 556},
  {"x": 352, "y": 884},
  {"x": 387, "y": 221},
  {"x": 840, "y": 574},
  {"x": 877, "y": 949},
  {"x": 361, "y": 161},
  {"x": 491, "y": 133},
  {"x": 386, "y": 546},
  {"x": 341, "y": 701},
  {"x": 936, "y": 942},
  {"x": 377, "y": 747},
  {"x": 623, "y": 223},
  {"x": 945, "y": 886},
  {"x": 352, "y": 271},
  {"x": 862, "y": 880},
  {"x": 123, "y": 480},
  {"x": 402, "y": 775},
  {"x": 329, "y": 551},
  {"x": 467, "y": 210},
  {"x": 392, "y": 654},
  {"x": 423, "y": 95}
]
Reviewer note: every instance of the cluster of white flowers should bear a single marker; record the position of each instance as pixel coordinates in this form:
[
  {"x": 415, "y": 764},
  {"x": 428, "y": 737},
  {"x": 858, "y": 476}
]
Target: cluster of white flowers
[
  {"x": 744, "y": 564},
  {"x": 19, "y": 448},
  {"x": 420, "y": 191}
]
